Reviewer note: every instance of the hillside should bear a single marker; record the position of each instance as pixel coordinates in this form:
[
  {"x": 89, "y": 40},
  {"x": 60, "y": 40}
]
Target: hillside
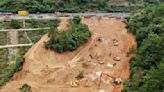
[
  {"x": 48, "y": 71},
  {"x": 95, "y": 52},
  {"x": 51, "y": 6},
  {"x": 147, "y": 66}
]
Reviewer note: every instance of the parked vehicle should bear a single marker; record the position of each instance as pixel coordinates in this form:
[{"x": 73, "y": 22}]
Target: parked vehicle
[
  {"x": 23, "y": 13},
  {"x": 59, "y": 14}
]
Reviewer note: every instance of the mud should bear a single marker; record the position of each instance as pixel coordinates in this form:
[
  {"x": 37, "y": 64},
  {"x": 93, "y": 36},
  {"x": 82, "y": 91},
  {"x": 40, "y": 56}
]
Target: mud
[{"x": 48, "y": 71}]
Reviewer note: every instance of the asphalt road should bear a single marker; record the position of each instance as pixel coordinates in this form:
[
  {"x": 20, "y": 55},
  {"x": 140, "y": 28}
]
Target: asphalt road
[{"x": 53, "y": 16}]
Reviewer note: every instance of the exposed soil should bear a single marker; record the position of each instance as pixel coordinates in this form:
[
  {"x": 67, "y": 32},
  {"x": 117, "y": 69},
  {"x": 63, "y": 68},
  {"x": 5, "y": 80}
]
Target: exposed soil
[{"x": 48, "y": 71}]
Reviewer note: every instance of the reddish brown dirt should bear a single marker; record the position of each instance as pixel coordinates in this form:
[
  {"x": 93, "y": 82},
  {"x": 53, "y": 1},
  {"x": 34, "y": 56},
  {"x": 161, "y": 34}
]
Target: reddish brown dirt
[{"x": 48, "y": 71}]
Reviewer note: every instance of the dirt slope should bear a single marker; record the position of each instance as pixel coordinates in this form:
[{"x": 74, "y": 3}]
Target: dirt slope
[{"x": 47, "y": 71}]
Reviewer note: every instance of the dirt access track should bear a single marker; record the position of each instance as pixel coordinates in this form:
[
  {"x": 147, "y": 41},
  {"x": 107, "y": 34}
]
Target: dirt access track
[{"x": 48, "y": 71}]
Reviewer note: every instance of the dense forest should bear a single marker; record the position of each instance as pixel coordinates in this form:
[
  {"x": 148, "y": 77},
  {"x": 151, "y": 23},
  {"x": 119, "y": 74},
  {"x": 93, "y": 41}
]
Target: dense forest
[
  {"x": 50, "y": 6},
  {"x": 147, "y": 66}
]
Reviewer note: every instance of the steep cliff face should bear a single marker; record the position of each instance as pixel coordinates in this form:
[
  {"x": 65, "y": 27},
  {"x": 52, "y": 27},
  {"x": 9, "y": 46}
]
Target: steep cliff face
[{"x": 48, "y": 71}]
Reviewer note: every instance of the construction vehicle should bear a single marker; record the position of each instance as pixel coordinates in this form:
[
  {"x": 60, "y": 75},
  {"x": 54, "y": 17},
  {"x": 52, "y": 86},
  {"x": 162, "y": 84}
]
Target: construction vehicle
[
  {"x": 116, "y": 58},
  {"x": 23, "y": 13},
  {"x": 115, "y": 81},
  {"x": 59, "y": 14},
  {"x": 115, "y": 42}
]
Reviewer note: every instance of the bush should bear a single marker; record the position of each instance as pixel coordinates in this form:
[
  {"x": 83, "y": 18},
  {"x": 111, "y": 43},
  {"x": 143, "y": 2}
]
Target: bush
[
  {"x": 25, "y": 88},
  {"x": 8, "y": 70},
  {"x": 76, "y": 19},
  {"x": 80, "y": 75},
  {"x": 54, "y": 23},
  {"x": 70, "y": 40},
  {"x": 15, "y": 24}
]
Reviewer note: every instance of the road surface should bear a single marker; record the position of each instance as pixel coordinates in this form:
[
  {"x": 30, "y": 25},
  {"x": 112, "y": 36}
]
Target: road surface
[{"x": 53, "y": 16}]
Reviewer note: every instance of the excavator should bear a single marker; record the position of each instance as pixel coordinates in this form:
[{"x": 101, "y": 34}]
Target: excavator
[{"x": 116, "y": 81}]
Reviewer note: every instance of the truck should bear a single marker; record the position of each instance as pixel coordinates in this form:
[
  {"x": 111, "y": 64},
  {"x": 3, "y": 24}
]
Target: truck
[
  {"x": 59, "y": 14},
  {"x": 23, "y": 13}
]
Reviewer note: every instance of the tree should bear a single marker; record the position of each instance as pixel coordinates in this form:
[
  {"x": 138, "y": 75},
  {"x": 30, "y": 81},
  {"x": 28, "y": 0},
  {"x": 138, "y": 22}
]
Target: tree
[
  {"x": 69, "y": 40},
  {"x": 151, "y": 1},
  {"x": 76, "y": 20},
  {"x": 25, "y": 88},
  {"x": 101, "y": 3},
  {"x": 154, "y": 80},
  {"x": 149, "y": 53},
  {"x": 148, "y": 64},
  {"x": 81, "y": 1}
]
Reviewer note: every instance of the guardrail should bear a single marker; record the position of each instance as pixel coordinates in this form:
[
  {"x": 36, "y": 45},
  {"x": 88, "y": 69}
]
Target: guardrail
[
  {"x": 21, "y": 45},
  {"x": 17, "y": 45}
]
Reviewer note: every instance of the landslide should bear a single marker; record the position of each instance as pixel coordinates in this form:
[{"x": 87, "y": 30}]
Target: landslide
[{"x": 47, "y": 71}]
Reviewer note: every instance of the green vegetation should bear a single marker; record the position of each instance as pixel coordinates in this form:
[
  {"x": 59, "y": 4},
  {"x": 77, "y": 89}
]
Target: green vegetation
[
  {"x": 3, "y": 53},
  {"x": 8, "y": 69},
  {"x": 69, "y": 40},
  {"x": 25, "y": 88},
  {"x": 34, "y": 23},
  {"x": 36, "y": 35},
  {"x": 147, "y": 66},
  {"x": 31, "y": 23},
  {"x": 80, "y": 75},
  {"x": 15, "y": 24},
  {"x": 3, "y": 38},
  {"x": 50, "y": 6}
]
